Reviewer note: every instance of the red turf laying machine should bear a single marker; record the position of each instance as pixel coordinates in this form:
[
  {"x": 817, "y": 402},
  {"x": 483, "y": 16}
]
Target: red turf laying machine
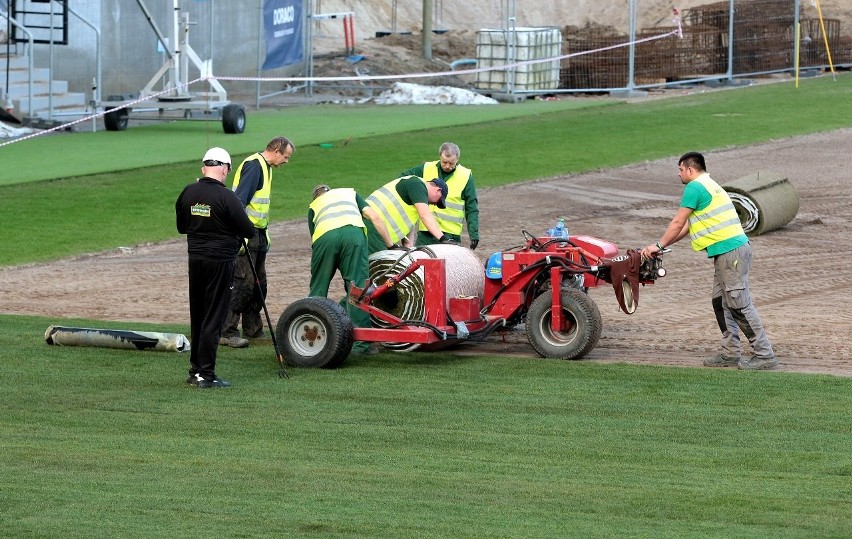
[{"x": 518, "y": 288}]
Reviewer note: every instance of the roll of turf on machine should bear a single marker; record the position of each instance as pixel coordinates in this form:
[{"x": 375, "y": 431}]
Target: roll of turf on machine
[
  {"x": 465, "y": 278},
  {"x": 764, "y": 201},
  {"x": 116, "y": 338}
]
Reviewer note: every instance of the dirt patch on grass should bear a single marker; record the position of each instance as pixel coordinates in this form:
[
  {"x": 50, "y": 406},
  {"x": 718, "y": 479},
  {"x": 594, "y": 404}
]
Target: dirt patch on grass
[{"x": 801, "y": 279}]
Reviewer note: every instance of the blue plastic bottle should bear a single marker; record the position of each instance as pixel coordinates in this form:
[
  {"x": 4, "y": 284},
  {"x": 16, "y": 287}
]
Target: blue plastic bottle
[{"x": 559, "y": 231}]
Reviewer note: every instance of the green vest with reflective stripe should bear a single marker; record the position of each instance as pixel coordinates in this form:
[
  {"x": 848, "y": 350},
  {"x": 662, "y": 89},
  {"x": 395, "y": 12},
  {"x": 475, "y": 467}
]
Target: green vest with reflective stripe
[
  {"x": 258, "y": 206},
  {"x": 398, "y": 216},
  {"x": 718, "y": 221},
  {"x": 451, "y": 220},
  {"x": 335, "y": 209}
]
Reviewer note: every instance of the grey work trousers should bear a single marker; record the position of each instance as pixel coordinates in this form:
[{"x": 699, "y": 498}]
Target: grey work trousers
[{"x": 732, "y": 304}]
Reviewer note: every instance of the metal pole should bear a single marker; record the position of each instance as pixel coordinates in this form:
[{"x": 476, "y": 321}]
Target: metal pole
[
  {"x": 96, "y": 81},
  {"x": 427, "y": 29},
  {"x": 731, "y": 41},
  {"x": 309, "y": 47},
  {"x": 631, "y": 70},
  {"x": 259, "y": 47},
  {"x": 825, "y": 40},
  {"x": 211, "y": 32},
  {"x": 166, "y": 45},
  {"x": 30, "y": 53},
  {"x": 282, "y": 373},
  {"x": 50, "y": 65},
  {"x": 511, "y": 44},
  {"x": 796, "y": 51},
  {"x": 174, "y": 72}
]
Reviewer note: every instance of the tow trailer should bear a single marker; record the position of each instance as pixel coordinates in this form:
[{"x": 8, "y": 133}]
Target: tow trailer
[
  {"x": 174, "y": 100},
  {"x": 317, "y": 332}
]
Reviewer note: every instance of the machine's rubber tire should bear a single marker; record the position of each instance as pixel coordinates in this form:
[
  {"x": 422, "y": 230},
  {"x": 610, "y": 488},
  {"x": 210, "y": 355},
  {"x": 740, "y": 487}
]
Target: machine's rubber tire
[
  {"x": 234, "y": 119},
  {"x": 315, "y": 332},
  {"x": 582, "y": 326},
  {"x": 116, "y": 120}
]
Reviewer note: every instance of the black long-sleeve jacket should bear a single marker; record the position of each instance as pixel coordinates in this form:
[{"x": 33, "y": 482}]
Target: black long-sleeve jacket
[{"x": 214, "y": 220}]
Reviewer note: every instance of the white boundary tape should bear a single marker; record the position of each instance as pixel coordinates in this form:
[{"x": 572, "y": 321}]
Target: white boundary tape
[{"x": 677, "y": 32}]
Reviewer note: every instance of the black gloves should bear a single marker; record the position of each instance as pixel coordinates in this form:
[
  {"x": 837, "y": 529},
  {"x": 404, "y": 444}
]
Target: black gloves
[
  {"x": 447, "y": 240},
  {"x": 473, "y": 244}
]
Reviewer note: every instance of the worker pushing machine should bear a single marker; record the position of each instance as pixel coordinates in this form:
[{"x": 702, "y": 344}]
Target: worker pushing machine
[
  {"x": 400, "y": 203},
  {"x": 462, "y": 204},
  {"x": 708, "y": 217}
]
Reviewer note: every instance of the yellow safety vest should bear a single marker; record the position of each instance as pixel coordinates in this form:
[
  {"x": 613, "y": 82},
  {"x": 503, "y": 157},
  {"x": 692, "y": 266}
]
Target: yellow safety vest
[
  {"x": 398, "y": 216},
  {"x": 258, "y": 207},
  {"x": 718, "y": 221},
  {"x": 335, "y": 209},
  {"x": 451, "y": 220}
]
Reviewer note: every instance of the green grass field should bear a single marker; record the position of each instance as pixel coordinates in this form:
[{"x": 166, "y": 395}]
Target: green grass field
[
  {"x": 69, "y": 214},
  {"x": 112, "y": 443}
]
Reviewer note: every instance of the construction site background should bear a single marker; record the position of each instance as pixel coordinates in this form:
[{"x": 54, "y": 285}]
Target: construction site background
[{"x": 231, "y": 35}]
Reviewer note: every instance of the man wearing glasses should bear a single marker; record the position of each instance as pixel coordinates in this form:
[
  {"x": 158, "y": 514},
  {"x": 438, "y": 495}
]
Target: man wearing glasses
[
  {"x": 214, "y": 221},
  {"x": 253, "y": 186}
]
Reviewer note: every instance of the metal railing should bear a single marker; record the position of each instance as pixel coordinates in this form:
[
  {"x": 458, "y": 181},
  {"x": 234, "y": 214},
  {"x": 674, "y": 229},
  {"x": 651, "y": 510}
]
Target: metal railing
[
  {"x": 29, "y": 52},
  {"x": 721, "y": 41}
]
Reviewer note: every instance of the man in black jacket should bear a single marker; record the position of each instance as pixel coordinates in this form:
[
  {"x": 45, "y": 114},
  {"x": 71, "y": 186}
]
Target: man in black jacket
[{"x": 215, "y": 221}]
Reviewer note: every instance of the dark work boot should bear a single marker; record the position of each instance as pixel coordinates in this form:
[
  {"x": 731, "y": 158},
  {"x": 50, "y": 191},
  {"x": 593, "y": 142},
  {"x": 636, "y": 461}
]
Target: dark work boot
[
  {"x": 233, "y": 342},
  {"x": 758, "y": 363},
  {"x": 721, "y": 361},
  {"x": 209, "y": 384}
]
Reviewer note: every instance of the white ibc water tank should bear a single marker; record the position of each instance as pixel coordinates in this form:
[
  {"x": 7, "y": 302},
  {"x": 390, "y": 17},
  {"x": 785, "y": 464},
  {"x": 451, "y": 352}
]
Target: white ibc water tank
[{"x": 496, "y": 48}]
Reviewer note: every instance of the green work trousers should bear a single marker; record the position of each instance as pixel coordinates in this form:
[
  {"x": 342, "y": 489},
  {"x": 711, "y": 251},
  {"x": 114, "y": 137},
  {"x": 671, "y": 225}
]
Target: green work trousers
[
  {"x": 343, "y": 249},
  {"x": 375, "y": 243}
]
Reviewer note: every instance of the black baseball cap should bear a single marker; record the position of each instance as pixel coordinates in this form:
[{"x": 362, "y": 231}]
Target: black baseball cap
[{"x": 444, "y": 191}]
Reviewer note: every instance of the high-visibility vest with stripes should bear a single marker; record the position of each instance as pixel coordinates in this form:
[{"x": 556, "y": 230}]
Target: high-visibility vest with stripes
[
  {"x": 451, "y": 219},
  {"x": 398, "y": 216},
  {"x": 718, "y": 221},
  {"x": 258, "y": 206},
  {"x": 335, "y": 209}
]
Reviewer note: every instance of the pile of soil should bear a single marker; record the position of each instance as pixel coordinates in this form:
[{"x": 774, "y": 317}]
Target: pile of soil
[{"x": 395, "y": 54}]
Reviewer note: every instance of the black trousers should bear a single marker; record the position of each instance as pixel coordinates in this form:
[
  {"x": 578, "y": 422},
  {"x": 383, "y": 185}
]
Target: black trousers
[
  {"x": 245, "y": 302},
  {"x": 209, "y": 304}
]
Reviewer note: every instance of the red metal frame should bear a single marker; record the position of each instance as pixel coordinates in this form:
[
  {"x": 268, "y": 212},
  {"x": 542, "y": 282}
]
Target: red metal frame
[
  {"x": 435, "y": 307},
  {"x": 504, "y": 298}
]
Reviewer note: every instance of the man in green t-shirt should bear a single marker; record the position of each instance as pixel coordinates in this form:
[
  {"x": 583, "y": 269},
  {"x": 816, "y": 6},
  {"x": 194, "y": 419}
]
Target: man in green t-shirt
[{"x": 708, "y": 216}]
